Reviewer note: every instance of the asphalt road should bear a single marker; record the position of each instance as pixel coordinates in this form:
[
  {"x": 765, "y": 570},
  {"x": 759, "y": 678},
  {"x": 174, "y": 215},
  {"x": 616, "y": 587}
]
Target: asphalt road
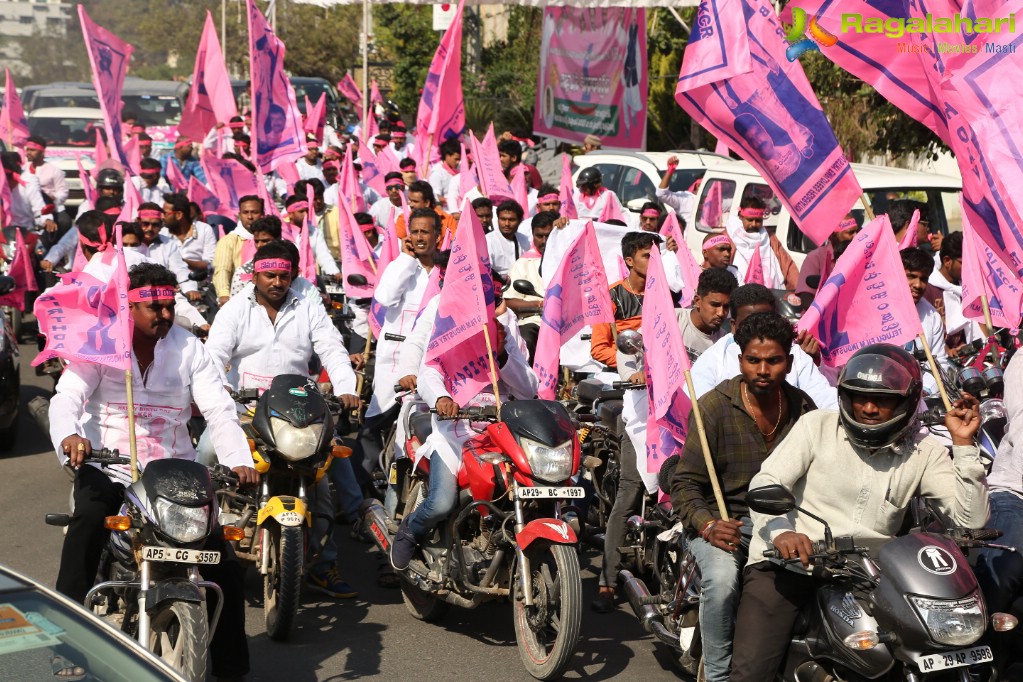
[{"x": 372, "y": 636}]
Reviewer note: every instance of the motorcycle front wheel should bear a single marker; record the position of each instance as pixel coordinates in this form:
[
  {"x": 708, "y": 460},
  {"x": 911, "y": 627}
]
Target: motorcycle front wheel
[
  {"x": 282, "y": 584},
  {"x": 180, "y": 637},
  {"x": 547, "y": 632}
]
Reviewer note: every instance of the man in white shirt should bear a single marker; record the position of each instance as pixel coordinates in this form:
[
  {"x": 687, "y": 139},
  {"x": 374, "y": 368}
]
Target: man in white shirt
[
  {"x": 591, "y": 197},
  {"x": 948, "y": 280},
  {"x": 399, "y": 143},
  {"x": 298, "y": 208},
  {"x": 444, "y": 170},
  {"x": 28, "y": 209},
  {"x": 505, "y": 244},
  {"x": 331, "y": 172},
  {"x": 150, "y": 184},
  {"x": 386, "y": 212},
  {"x": 918, "y": 266},
  {"x": 309, "y": 165},
  {"x": 720, "y": 362},
  {"x": 682, "y": 202},
  {"x": 51, "y": 184},
  {"x": 195, "y": 240},
  {"x": 172, "y": 370},
  {"x": 527, "y": 268},
  {"x": 164, "y": 250}
]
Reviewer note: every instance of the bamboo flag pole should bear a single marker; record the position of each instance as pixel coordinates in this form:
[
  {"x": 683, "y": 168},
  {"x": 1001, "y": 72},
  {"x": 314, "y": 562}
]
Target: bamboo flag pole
[
  {"x": 711, "y": 471},
  {"x": 866, "y": 206},
  {"x": 131, "y": 426},
  {"x": 493, "y": 367},
  {"x": 934, "y": 371}
]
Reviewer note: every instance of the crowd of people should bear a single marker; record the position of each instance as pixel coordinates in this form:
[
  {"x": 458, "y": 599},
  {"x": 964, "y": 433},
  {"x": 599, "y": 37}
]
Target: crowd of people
[{"x": 847, "y": 443}]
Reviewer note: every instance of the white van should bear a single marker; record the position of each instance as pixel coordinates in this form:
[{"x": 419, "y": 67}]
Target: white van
[{"x": 723, "y": 182}]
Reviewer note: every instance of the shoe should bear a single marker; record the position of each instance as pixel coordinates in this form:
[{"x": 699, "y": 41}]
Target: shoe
[
  {"x": 605, "y": 601},
  {"x": 403, "y": 546},
  {"x": 329, "y": 582}
]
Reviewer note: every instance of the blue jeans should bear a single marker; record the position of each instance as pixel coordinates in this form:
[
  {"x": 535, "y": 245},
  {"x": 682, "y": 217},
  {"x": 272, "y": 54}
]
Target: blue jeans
[
  {"x": 1000, "y": 573},
  {"x": 721, "y": 581},
  {"x": 439, "y": 502},
  {"x": 347, "y": 487}
]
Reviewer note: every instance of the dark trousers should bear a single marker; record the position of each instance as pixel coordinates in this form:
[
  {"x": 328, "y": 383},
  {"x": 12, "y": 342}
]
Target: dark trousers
[
  {"x": 371, "y": 441},
  {"x": 97, "y": 497},
  {"x": 772, "y": 598},
  {"x": 630, "y": 493},
  {"x": 530, "y": 333}
]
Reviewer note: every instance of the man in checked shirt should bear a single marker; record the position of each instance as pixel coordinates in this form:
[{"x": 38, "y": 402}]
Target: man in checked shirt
[{"x": 745, "y": 418}]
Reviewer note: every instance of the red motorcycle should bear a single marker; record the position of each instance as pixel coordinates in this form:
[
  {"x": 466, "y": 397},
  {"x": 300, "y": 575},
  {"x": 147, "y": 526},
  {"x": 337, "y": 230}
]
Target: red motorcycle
[{"x": 505, "y": 538}]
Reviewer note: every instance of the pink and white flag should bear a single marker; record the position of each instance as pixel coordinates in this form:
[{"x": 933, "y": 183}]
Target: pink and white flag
[
  {"x": 442, "y": 105},
  {"x": 86, "y": 180},
  {"x": 356, "y": 258},
  {"x": 374, "y": 94},
  {"x": 201, "y": 195},
  {"x": 349, "y": 184},
  {"x": 519, "y": 188},
  {"x": 134, "y": 153},
  {"x": 22, "y": 272},
  {"x": 909, "y": 237},
  {"x": 457, "y": 347},
  {"x": 466, "y": 179},
  {"x": 306, "y": 257},
  {"x": 100, "y": 153},
  {"x": 228, "y": 180},
  {"x": 865, "y": 300},
  {"x": 578, "y": 295},
  {"x": 14, "y": 130},
  {"x": 6, "y": 215},
  {"x": 109, "y": 57},
  {"x": 566, "y": 189},
  {"x": 87, "y": 320},
  {"x": 665, "y": 361},
  {"x": 348, "y": 89},
  {"x": 488, "y": 167},
  {"x": 316, "y": 117},
  {"x": 691, "y": 270},
  {"x": 986, "y": 274},
  {"x": 276, "y": 129},
  {"x": 210, "y": 99},
  {"x": 737, "y": 82},
  {"x": 175, "y": 178},
  {"x": 611, "y": 211},
  {"x": 755, "y": 270}
]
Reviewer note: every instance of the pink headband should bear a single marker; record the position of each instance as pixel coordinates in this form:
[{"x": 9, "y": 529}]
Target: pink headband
[
  {"x": 150, "y": 213},
  {"x": 752, "y": 213},
  {"x": 651, "y": 213},
  {"x": 312, "y": 144},
  {"x": 847, "y": 224},
  {"x": 113, "y": 210},
  {"x": 332, "y": 164},
  {"x": 149, "y": 171},
  {"x": 548, "y": 199},
  {"x": 35, "y": 146},
  {"x": 236, "y": 125},
  {"x": 716, "y": 240},
  {"x": 182, "y": 143},
  {"x": 271, "y": 264},
  {"x": 138, "y": 129},
  {"x": 144, "y": 294},
  {"x": 101, "y": 245},
  {"x": 298, "y": 206},
  {"x": 398, "y": 133}
]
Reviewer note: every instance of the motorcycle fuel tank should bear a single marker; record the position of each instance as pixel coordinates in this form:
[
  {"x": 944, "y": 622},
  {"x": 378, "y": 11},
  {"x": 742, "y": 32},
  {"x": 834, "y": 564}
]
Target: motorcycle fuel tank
[{"x": 843, "y": 614}]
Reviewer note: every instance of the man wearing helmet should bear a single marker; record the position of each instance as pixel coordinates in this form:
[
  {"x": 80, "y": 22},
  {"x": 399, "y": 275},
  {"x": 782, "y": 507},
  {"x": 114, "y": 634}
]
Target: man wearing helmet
[
  {"x": 109, "y": 184},
  {"x": 591, "y": 197},
  {"x": 858, "y": 469}
]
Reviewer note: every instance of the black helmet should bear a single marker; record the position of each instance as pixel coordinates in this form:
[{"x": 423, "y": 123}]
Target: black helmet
[
  {"x": 880, "y": 369},
  {"x": 110, "y": 177},
  {"x": 589, "y": 176}
]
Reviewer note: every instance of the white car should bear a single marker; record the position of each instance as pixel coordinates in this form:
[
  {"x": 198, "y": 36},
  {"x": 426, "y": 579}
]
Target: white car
[{"x": 69, "y": 132}]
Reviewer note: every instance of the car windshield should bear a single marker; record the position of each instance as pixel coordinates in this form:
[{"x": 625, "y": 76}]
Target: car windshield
[
  {"x": 313, "y": 92},
  {"x": 65, "y": 131},
  {"x": 34, "y": 629},
  {"x": 683, "y": 178},
  {"x": 85, "y": 100},
  {"x": 154, "y": 110}
]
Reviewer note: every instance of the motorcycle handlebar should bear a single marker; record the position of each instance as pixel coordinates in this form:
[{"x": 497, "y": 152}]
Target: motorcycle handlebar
[
  {"x": 245, "y": 395},
  {"x": 393, "y": 337},
  {"x": 107, "y": 456},
  {"x": 626, "y": 386},
  {"x": 476, "y": 414}
]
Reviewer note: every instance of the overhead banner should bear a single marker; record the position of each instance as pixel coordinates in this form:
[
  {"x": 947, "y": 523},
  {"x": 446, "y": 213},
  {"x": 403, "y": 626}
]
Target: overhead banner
[{"x": 593, "y": 76}]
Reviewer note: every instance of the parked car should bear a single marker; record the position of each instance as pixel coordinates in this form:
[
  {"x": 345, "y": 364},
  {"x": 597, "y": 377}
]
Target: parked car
[
  {"x": 158, "y": 105},
  {"x": 82, "y": 95},
  {"x": 69, "y": 132},
  {"x": 37, "y": 624},
  {"x": 30, "y": 93}
]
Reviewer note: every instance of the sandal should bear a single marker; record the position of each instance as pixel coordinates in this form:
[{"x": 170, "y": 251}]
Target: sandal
[{"x": 65, "y": 670}]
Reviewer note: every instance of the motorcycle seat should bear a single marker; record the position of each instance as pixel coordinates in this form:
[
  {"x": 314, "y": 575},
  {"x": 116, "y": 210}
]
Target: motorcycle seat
[
  {"x": 589, "y": 390},
  {"x": 610, "y": 415},
  {"x": 421, "y": 425}
]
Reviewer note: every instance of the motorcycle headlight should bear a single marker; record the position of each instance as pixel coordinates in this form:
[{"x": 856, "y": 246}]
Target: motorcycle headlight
[
  {"x": 184, "y": 524},
  {"x": 551, "y": 464},
  {"x": 295, "y": 443},
  {"x": 953, "y": 622},
  {"x": 992, "y": 408}
]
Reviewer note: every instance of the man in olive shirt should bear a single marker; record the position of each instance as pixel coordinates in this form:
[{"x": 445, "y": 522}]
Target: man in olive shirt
[{"x": 745, "y": 417}]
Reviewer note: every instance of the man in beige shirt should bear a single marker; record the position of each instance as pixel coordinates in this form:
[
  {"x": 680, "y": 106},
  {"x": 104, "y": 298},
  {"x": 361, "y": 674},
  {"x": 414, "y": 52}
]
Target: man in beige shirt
[{"x": 228, "y": 256}]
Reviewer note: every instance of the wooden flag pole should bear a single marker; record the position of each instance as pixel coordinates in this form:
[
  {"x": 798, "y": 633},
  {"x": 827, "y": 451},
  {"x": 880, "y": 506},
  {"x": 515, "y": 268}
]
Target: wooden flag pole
[
  {"x": 935, "y": 372},
  {"x": 866, "y": 207},
  {"x": 365, "y": 363},
  {"x": 131, "y": 426},
  {"x": 493, "y": 367},
  {"x": 708, "y": 461},
  {"x": 990, "y": 326}
]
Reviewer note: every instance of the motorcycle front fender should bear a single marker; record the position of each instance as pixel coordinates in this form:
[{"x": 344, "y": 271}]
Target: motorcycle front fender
[
  {"x": 172, "y": 589},
  {"x": 556, "y": 531},
  {"x": 286, "y": 510}
]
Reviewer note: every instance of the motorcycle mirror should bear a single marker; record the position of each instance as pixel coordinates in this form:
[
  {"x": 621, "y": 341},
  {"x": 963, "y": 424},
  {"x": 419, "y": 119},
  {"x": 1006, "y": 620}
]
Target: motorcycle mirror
[
  {"x": 773, "y": 500},
  {"x": 813, "y": 281},
  {"x": 524, "y": 287},
  {"x": 971, "y": 381},
  {"x": 630, "y": 342},
  {"x": 357, "y": 280},
  {"x": 994, "y": 377},
  {"x": 7, "y": 284},
  {"x": 198, "y": 275}
]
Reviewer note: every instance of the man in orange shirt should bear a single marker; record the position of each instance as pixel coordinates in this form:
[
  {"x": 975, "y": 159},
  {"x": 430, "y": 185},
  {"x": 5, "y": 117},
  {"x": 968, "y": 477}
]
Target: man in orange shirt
[{"x": 420, "y": 195}]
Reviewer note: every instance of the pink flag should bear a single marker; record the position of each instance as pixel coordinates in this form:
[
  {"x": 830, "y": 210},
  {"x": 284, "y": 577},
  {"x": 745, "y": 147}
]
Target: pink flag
[
  {"x": 175, "y": 178},
  {"x": 276, "y": 122},
  {"x": 755, "y": 270},
  {"x": 132, "y": 201},
  {"x": 316, "y": 117},
  {"x": 370, "y": 129},
  {"x": 22, "y": 272},
  {"x": 306, "y": 258},
  {"x": 737, "y": 82},
  {"x": 211, "y": 99},
  {"x": 466, "y": 180},
  {"x": 691, "y": 270},
  {"x": 909, "y": 236},
  {"x": 985, "y": 273},
  {"x": 348, "y": 183},
  {"x": 712, "y": 213},
  {"x": 442, "y": 106},
  {"x": 86, "y": 180},
  {"x": 488, "y": 167},
  {"x": 865, "y": 300},
  {"x": 566, "y": 189},
  {"x": 13, "y": 124},
  {"x": 100, "y": 153},
  {"x": 269, "y": 205},
  {"x": 519, "y": 188},
  {"x": 228, "y": 180},
  {"x": 374, "y": 94},
  {"x": 422, "y": 152},
  {"x": 666, "y": 361},
  {"x": 721, "y": 148},
  {"x": 432, "y": 289},
  {"x": 623, "y": 269},
  {"x": 134, "y": 153},
  {"x": 354, "y": 260},
  {"x": 289, "y": 173},
  {"x": 457, "y": 347},
  {"x": 201, "y": 195},
  {"x": 109, "y": 57},
  {"x": 5, "y": 202},
  {"x": 611, "y": 211},
  {"x": 577, "y": 296},
  {"x": 86, "y": 320},
  {"x": 350, "y": 91}
]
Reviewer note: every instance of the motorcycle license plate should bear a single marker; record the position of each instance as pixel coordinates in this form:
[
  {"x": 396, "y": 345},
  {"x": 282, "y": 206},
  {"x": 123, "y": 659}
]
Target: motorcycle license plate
[
  {"x": 552, "y": 492},
  {"x": 954, "y": 659},
  {"x": 181, "y": 556},
  {"x": 332, "y": 288}
]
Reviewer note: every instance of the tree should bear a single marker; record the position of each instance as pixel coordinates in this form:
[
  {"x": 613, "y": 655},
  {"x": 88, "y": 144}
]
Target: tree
[
  {"x": 321, "y": 42},
  {"x": 406, "y": 37}
]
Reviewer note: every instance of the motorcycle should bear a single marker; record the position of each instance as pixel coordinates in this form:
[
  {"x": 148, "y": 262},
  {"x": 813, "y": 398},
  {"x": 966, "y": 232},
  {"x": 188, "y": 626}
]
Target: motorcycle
[
  {"x": 207, "y": 305},
  {"x": 149, "y": 573},
  {"x": 505, "y": 538},
  {"x": 905, "y": 614},
  {"x": 291, "y": 437}
]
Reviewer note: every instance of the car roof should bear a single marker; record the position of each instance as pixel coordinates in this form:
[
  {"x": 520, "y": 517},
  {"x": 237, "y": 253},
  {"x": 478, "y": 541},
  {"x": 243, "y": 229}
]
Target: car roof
[
  {"x": 66, "y": 90},
  {"x": 687, "y": 158},
  {"x": 868, "y": 175},
  {"x": 66, "y": 112},
  {"x": 139, "y": 86}
]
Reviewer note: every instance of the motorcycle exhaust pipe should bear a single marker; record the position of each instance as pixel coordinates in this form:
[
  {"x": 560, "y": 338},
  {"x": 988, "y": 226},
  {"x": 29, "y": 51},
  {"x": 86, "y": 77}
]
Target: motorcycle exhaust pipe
[
  {"x": 638, "y": 597},
  {"x": 374, "y": 522}
]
